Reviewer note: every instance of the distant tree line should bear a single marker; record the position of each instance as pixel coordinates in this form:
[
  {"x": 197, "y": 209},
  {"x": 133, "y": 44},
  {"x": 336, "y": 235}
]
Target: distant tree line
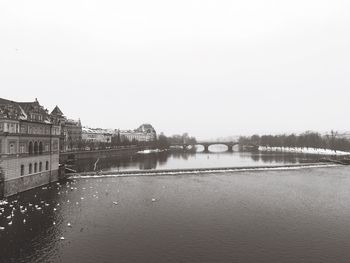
[
  {"x": 162, "y": 142},
  {"x": 307, "y": 140}
]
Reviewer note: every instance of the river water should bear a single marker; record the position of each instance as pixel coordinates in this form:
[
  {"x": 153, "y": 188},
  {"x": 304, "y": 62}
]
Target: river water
[
  {"x": 217, "y": 158},
  {"x": 287, "y": 215}
]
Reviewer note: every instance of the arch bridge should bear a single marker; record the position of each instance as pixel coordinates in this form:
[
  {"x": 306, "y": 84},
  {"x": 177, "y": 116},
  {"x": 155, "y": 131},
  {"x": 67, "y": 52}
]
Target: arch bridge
[{"x": 207, "y": 144}]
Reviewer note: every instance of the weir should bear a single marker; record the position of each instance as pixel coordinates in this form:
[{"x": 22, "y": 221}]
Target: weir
[{"x": 169, "y": 172}]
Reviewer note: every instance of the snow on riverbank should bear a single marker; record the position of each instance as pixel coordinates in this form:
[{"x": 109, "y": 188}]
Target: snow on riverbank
[
  {"x": 150, "y": 151},
  {"x": 302, "y": 150}
]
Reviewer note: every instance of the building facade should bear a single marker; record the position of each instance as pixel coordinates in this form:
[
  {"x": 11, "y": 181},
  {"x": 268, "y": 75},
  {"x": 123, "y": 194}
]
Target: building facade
[
  {"x": 145, "y": 133},
  {"x": 71, "y": 131},
  {"x": 97, "y": 135},
  {"x": 74, "y": 133},
  {"x": 29, "y": 146}
]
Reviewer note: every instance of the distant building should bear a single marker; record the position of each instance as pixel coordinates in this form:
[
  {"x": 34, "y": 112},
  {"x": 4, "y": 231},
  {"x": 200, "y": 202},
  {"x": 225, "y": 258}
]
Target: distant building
[
  {"x": 145, "y": 133},
  {"x": 29, "y": 146},
  {"x": 97, "y": 135},
  {"x": 71, "y": 130},
  {"x": 74, "y": 134}
]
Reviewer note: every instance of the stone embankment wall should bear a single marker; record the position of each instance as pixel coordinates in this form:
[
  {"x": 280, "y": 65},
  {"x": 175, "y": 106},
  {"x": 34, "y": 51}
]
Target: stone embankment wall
[
  {"x": 16, "y": 176},
  {"x": 78, "y": 155},
  {"x": 24, "y": 183}
]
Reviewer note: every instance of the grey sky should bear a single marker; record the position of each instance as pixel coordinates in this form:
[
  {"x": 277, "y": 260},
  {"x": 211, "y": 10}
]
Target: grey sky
[{"x": 211, "y": 68}]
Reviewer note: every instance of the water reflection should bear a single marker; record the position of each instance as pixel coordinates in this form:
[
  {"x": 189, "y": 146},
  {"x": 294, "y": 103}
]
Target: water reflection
[
  {"x": 31, "y": 223},
  {"x": 186, "y": 159}
]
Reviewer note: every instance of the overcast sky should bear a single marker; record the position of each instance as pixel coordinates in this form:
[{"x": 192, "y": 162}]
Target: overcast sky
[{"x": 211, "y": 68}]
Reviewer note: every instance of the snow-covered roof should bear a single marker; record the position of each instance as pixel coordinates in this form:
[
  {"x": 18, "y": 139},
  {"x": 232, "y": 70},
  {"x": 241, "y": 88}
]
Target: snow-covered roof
[{"x": 97, "y": 130}]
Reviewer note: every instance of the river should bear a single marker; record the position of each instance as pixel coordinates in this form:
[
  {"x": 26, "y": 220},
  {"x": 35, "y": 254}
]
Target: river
[
  {"x": 217, "y": 158},
  {"x": 290, "y": 215}
]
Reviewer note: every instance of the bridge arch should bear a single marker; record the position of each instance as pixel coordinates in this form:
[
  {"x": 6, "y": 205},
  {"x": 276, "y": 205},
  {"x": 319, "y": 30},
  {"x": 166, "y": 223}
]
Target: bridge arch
[
  {"x": 229, "y": 146},
  {"x": 216, "y": 148},
  {"x": 199, "y": 145},
  {"x": 206, "y": 145}
]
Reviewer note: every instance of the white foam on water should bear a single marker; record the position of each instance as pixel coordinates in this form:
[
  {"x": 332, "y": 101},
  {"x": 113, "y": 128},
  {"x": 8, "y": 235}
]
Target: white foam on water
[{"x": 204, "y": 171}]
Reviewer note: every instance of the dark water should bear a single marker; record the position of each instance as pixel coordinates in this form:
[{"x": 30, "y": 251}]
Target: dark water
[
  {"x": 183, "y": 160},
  {"x": 300, "y": 215}
]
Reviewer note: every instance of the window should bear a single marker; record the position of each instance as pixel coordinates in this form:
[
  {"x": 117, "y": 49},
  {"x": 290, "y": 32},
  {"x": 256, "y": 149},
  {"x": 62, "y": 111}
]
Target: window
[
  {"x": 12, "y": 148},
  {"x": 40, "y": 166},
  {"x": 40, "y": 148},
  {"x": 47, "y": 165},
  {"x": 30, "y": 168},
  {"x": 30, "y": 148},
  {"x": 55, "y": 145},
  {"x": 21, "y": 149},
  {"x": 35, "y": 167},
  {"x": 36, "y": 148},
  {"x": 23, "y": 129},
  {"x": 22, "y": 170}
]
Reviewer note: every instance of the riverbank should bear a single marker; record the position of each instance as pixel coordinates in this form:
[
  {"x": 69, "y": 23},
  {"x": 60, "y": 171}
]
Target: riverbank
[
  {"x": 81, "y": 155},
  {"x": 303, "y": 150}
]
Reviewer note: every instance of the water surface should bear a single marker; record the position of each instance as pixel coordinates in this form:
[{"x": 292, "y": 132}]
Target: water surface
[
  {"x": 185, "y": 160},
  {"x": 298, "y": 215}
]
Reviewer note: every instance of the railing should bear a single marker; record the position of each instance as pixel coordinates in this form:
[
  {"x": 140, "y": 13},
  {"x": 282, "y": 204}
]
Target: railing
[
  {"x": 100, "y": 150},
  {"x": 25, "y": 155}
]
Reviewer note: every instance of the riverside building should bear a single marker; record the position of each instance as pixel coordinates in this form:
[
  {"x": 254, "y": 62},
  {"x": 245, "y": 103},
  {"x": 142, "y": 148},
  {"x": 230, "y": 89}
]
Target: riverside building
[
  {"x": 97, "y": 135},
  {"x": 71, "y": 131},
  {"x": 29, "y": 146},
  {"x": 144, "y": 133}
]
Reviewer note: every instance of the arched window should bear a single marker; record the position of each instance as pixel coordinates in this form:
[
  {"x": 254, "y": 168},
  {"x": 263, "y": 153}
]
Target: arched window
[
  {"x": 40, "y": 148},
  {"x": 35, "y": 167},
  {"x": 30, "y": 148},
  {"x": 30, "y": 168},
  {"x": 47, "y": 165},
  {"x": 40, "y": 166},
  {"x": 12, "y": 148},
  {"x": 36, "y": 148},
  {"x": 22, "y": 170}
]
